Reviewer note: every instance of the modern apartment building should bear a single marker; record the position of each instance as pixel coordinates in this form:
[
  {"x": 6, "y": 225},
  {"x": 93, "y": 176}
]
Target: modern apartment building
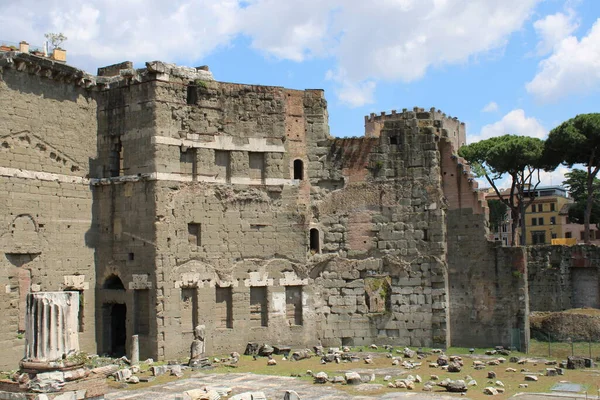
[{"x": 542, "y": 220}]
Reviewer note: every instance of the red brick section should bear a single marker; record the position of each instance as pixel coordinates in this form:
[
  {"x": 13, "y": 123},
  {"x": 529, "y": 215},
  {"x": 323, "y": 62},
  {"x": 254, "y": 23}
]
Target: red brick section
[
  {"x": 460, "y": 188},
  {"x": 360, "y": 234},
  {"x": 24, "y": 287},
  {"x": 579, "y": 259},
  {"x": 295, "y": 130},
  {"x": 354, "y": 156}
]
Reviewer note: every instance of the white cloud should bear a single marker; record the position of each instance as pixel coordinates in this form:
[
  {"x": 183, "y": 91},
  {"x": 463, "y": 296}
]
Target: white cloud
[
  {"x": 492, "y": 106},
  {"x": 394, "y": 40},
  {"x": 555, "y": 177},
  {"x": 110, "y": 31},
  {"x": 288, "y": 29},
  {"x": 552, "y": 29},
  {"x": 552, "y": 178},
  {"x": 514, "y": 123},
  {"x": 573, "y": 67},
  {"x": 353, "y": 94}
]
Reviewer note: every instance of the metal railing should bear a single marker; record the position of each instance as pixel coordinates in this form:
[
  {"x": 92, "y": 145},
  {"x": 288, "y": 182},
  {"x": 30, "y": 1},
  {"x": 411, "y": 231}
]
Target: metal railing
[{"x": 14, "y": 46}]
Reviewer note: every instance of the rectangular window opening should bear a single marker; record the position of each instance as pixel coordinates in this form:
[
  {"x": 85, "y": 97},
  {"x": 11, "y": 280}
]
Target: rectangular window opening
[
  {"x": 552, "y": 207},
  {"x": 257, "y": 166},
  {"x": 538, "y": 237},
  {"x": 187, "y": 163},
  {"x": 568, "y": 235},
  {"x": 258, "y": 306},
  {"x": 192, "y": 94},
  {"x": 223, "y": 165},
  {"x": 293, "y": 304},
  {"x": 115, "y": 162},
  {"x": 224, "y": 308},
  {"x": 195, "y": 234},
  {"x": 141, "y": 304}
]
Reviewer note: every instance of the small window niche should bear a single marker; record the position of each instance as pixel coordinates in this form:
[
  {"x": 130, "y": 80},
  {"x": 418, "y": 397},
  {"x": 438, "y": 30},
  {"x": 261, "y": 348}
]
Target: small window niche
[
  {"x": 258, "y": 306},
  {"x": 192, "y": 94},
  {"x": 378, "y": 294},
  {"x": 189, "y": 308},
  {"x": 315, "y": 241},
  {"x": 187, "y": 162},
  {"x": 256, "y": 163},
  {"x": 223, "y": 308},
  {"x": 293, "y": 305},
  {"x": 298, "y": 170},
  {"x": 116, "y": 158},
  {"x": 195, "y": 234},
  {"x": 223, "y": 165}
]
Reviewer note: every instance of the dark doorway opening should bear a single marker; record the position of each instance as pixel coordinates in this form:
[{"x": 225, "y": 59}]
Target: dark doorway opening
[
  {"x": 315, "y": 245},
  {"x": 115, "y": 329},
  {"x": 298, "y": 169}
]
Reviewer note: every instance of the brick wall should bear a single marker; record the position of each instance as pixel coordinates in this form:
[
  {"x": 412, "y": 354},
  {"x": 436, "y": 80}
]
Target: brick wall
[{"x": 47, "y": 144}]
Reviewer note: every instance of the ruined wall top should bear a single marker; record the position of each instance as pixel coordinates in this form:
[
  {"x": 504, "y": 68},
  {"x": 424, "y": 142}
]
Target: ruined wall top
[
  {"x": 109, "y": 76},
  {"x": 164, "y": 71},
  {"x": 448, "y": 126}
]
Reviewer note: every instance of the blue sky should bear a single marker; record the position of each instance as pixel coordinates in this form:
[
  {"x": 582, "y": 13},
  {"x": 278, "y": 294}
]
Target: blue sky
[{"x": 500, "y": 66}]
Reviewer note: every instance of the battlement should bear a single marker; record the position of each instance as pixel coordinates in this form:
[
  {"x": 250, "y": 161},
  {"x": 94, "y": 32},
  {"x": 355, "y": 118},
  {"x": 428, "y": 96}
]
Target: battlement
[
  {"x": 416, "y": 113},
  {"x": 442, "y": 125}
]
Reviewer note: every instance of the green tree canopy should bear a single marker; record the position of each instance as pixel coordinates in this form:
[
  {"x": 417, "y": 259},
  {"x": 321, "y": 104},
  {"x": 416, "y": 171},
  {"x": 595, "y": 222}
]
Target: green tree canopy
[
  {"x": 519, "y": 157},
  {"x": 497, "y": 213},
  {"x": 576, "y": 182},
  {"x": 577, "y": 141}
]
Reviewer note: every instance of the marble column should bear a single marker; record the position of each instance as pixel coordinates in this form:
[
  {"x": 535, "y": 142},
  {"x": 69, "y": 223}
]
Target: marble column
[
  {"x": 51, "y": 325},
  {"x": 135, "y": 350}
]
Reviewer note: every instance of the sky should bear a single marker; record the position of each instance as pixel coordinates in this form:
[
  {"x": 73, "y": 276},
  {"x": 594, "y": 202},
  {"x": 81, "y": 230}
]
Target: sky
[{"x": 501, "y": 66}]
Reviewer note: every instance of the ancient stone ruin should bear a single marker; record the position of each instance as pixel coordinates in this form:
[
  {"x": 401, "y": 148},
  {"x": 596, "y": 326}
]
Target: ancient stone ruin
[
  {"x": 53, "y": 366},
  {"x": 51, "y": 326},
  {"x": 167, "y": 200}
]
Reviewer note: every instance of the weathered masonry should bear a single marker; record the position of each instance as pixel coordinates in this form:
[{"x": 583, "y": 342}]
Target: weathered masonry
[{"x": 168, "y": 200}]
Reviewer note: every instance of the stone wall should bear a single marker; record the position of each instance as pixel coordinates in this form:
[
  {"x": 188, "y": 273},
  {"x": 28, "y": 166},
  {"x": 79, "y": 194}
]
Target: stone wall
[
  {"x": 230, "y": 205},
  {"x": 359, "y": 237},
  {"x": 386, "y": 224},
  {"x": 47, "y": 147},
  {"x": 563, "y": 277},
  {"x": 487, "y": 283}
]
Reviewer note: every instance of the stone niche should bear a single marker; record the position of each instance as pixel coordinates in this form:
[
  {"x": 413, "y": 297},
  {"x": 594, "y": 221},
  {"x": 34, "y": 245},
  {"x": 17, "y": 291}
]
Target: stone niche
[{"x": 378, "y": 290}]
